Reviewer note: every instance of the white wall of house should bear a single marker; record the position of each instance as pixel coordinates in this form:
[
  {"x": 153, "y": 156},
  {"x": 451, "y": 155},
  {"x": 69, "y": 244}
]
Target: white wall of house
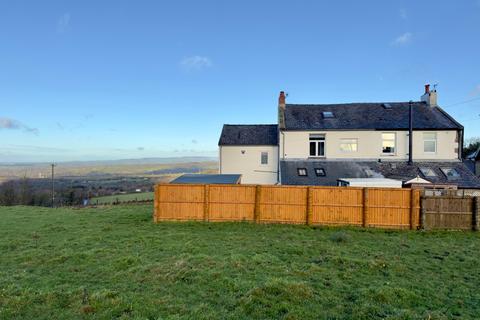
[
  {"x": 246, "y": 160},
  {"x": 295, "y": 145}
]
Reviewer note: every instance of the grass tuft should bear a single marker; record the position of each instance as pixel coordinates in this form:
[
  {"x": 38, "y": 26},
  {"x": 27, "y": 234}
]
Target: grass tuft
[{"x": 339, "y": 237}]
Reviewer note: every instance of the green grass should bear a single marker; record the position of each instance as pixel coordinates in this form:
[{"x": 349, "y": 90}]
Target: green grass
[
  {"x": 123, "y": 198},
  {"x": 114, "y": 263}
]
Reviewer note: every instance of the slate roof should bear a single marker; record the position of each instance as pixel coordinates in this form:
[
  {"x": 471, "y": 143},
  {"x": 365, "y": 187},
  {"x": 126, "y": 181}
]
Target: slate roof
[
  {"x": 398, "y": 170},
  {"x": 356, "y": 116},
  {"x": 208, "y": 179},
  {"x": 249, "y": 134}
]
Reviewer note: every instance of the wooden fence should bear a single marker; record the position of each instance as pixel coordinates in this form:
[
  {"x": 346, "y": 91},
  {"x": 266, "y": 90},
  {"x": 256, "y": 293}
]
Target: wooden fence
[
  {"x": 450, "y": 212},
  {"x": 368, "y": 207}
]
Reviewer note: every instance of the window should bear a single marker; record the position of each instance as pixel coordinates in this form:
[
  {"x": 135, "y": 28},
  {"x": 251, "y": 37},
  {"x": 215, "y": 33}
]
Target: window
[
  {"x": 428, "y": 172},
  {"x": 429, "y": 142},
  {"x": 320, "y": 172},
  {"x": 327, "y": 114},
  {"x": 450, "y": 173},
  {"x": 388, "y": 143},
  {"x": 348, "y": 145},
  {"x": 264, "y": 158},
  {"x": 302, "y": 172},
  {"x": 317, "y": 145}
]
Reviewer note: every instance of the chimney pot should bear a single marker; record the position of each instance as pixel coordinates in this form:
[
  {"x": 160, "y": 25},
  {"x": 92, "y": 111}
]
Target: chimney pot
[
  {"x": 427, "y": 88},
  {"x": 281, "y": 98}
]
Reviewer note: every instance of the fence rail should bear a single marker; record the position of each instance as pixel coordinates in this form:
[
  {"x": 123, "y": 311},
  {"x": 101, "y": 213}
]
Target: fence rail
[{"x": 368, "y": 207}]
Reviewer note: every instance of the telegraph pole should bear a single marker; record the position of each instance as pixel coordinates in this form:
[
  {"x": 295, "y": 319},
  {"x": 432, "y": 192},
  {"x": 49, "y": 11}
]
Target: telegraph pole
[{"x": 53, "y": 184}]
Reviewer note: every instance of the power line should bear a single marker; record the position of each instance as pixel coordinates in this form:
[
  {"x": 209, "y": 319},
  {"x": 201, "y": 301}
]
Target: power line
[{"x": 466, "y": 101}]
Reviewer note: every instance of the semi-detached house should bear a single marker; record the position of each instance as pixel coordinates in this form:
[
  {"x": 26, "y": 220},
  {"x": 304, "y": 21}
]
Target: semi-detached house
[{"x": 325, "y": 144}]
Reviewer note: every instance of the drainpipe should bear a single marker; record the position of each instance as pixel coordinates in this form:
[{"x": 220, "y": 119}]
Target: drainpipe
[{"x": 410, "y": 133}]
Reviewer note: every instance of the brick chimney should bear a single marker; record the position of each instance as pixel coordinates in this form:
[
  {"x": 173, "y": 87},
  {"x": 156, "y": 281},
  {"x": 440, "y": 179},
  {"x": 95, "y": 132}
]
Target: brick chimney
[
  {"x": 430, "y": 96},
  {"x": 281, "y": 110}
]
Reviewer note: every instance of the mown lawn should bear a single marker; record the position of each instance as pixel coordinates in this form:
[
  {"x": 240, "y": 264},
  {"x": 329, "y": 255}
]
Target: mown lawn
[{"x": 114, "y": 263}]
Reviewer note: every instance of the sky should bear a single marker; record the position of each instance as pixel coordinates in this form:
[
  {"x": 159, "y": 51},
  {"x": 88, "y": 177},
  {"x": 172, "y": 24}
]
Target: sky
[{"x": 98, "y": 80}]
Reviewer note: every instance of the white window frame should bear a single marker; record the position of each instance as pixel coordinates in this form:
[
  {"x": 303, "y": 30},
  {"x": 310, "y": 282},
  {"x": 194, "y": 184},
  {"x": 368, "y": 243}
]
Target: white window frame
[
  {"x": 263, "y": 153},
  {"x": 394, "y": 144},
  {"x": 430, "y": 140},
  {"x": 343, "y": 141},
  {"x": 317, "y": 138}
]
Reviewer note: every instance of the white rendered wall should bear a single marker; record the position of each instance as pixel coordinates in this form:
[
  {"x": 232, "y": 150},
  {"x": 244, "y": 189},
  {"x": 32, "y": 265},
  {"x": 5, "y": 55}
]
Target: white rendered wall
[
  {"x": 246, "y": 160},
  {"x": 296, "y": 145}
]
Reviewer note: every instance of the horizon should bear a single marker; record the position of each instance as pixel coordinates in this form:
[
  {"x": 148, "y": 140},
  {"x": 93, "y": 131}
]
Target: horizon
[{"x": 118, "y": 80}]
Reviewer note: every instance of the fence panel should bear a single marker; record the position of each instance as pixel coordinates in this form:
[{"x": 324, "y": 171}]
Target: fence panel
[
  {"x": 448, "y": 213},
  {"x": 376, "y": 207},
  {"x": 180, "y": 202},
  {"x": 389, "y": 208},
  {"x": 283, "y": 204},
  {"x": 231, "y": 202},
  {"x": 337, "y": 206}
]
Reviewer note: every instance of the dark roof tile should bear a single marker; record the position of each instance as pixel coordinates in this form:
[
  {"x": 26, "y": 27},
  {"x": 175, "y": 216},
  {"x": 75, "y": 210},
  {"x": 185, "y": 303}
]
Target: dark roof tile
[
  {"x": 398, "y": 170},
  {"x": 249, "y": 134},
  {"x": 370, "y": 116}
]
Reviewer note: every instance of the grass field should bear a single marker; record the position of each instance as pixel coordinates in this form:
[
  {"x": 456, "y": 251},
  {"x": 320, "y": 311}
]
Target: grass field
[
  {"x": 123, "y": 198},
  {"x": 114, "y": 263}
]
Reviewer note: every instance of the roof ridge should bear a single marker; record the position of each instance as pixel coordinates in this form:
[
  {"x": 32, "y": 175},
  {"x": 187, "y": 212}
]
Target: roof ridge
[
  {"x": 348, "y": 103},
  {"x": 253, "y": 124}
]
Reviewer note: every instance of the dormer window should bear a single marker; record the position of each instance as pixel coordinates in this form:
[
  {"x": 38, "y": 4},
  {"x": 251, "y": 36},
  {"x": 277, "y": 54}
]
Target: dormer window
[
  {"x": 427, "y": 172},
  {"x": 320, "y": 172},
  {"x": 327, "y": 114},
  {"x": 302, "y": 172},
  {"x": 450, "y": 173}
]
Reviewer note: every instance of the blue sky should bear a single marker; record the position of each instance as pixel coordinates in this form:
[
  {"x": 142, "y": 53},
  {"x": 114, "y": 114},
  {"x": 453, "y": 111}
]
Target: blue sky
[{"x": 84, "y": 80}]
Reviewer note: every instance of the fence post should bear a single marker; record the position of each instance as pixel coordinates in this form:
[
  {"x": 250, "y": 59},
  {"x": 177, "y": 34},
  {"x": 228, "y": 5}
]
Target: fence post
[
  {"x": 206, "y": 191},
  {"x": 365, "y": 207},
  {"x": 309, "y": 205},
  {"x": 475, "y": 213},
  {"x": 423, "y": 213},
  {"x": 412, "y": 207},
  {"x": 256, "y": 212},
  {"x": 155, "y": 205}
]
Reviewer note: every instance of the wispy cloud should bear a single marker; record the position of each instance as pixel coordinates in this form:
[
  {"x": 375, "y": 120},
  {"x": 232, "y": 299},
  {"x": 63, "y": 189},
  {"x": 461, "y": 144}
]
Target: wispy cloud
[
  {"x": 403, "y": 14},
  {"x": 402, "y": 39},
  {"x": 63, "y": 23},
  {"x": 12, "y": 124},
  {"x": 194, "y": 141},
  {"x": 140, "y": 148},
  {"x": 476, "y": 91},
  {"x": 196, "y": 63}
]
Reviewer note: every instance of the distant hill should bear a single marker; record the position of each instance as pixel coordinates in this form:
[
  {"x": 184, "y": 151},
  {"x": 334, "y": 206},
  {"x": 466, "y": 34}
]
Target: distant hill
[{"x": 117, "y": 162}]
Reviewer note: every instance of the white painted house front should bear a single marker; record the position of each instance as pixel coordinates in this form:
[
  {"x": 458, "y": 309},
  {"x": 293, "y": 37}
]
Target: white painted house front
[{"x": 321, "y": 144}]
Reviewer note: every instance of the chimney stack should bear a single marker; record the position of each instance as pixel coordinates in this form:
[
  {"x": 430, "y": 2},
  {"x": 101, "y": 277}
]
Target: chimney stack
[
  {"x": 430, "y": 96},
  {"x": 281, "y": 110}
]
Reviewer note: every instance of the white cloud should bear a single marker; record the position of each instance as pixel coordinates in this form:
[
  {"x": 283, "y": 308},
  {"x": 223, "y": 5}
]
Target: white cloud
[
  {"x": 403, "y": 14},
  {"x": 12, "y": 124},
  {"x": 402, "y": 39},
  {"x": 196, "y": 63},
  {"x": 63, "y": 23}
]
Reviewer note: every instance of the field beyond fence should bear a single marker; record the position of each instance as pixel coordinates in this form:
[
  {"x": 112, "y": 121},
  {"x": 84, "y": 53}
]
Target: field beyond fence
[{"x": 368, "y": 207}]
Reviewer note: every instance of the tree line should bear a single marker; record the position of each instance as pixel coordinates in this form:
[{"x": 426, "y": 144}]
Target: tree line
[{"x": 23, "y": 192}]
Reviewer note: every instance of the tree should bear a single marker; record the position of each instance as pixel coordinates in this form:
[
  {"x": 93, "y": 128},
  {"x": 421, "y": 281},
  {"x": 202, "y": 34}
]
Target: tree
[
  {"x": 471, "y": 145},
  {"x": 8, "y": 195}
]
